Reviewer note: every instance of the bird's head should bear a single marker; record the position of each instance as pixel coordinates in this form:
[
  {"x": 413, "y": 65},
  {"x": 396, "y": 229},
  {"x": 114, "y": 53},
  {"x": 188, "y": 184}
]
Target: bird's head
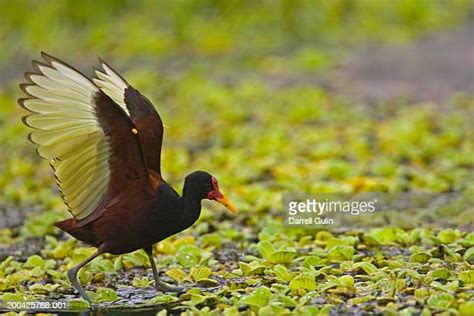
[{"x": 205, "y": 186}]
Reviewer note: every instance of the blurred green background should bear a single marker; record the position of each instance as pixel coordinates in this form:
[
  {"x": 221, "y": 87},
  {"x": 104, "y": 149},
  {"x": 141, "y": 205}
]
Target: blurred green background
[
  {"x": 251, "y": 91},
  {"x": 269, "y": 96}
]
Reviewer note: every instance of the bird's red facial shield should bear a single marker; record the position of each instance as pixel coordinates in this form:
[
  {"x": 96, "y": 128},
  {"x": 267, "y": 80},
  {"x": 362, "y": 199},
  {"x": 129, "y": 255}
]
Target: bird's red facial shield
[{"x": 218, "y": 196}]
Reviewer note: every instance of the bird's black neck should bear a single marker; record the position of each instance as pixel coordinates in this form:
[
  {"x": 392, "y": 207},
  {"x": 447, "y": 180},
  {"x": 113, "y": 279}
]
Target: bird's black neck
[{"x": 191, "y": 208}]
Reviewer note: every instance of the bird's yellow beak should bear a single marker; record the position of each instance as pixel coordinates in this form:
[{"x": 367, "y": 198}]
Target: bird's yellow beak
[{"x": 227, "y": 203}]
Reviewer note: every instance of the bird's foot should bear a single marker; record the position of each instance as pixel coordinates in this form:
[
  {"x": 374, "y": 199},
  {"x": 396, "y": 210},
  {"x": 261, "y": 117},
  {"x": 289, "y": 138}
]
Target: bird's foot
[
  {"x": 162, "y": 287},
  {"x": 75, "y": 283}
]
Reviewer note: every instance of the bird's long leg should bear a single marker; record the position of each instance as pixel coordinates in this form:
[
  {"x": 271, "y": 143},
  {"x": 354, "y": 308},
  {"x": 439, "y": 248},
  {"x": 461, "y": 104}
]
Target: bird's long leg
[
  {"x": 72, "y": 275},
  {"x": 160, "y": 286}
]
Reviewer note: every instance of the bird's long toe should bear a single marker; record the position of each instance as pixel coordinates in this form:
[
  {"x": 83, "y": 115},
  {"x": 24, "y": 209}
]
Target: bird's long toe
[{"x": 166, "y": 288}]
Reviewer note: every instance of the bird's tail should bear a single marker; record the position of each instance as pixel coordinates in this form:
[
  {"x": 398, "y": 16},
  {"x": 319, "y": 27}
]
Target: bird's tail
[{"x": 83, "y": 233}]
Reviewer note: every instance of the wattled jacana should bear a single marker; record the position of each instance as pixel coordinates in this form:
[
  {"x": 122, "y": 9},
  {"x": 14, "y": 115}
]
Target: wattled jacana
[{"x": 103, "y": 140}]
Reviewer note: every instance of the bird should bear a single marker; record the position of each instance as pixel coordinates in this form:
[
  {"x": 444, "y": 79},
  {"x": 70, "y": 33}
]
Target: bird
[{"x": 103, "y": 140}]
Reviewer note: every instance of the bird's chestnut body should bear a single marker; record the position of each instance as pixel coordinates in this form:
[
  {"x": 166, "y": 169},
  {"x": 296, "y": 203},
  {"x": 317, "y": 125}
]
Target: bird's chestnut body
[{"x": 133, "y": 223}]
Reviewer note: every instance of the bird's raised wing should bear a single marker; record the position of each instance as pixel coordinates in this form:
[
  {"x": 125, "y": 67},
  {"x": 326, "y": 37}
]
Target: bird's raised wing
[
  {"x": 92, "y": 144},
  {"x": 142, "y": 112}
]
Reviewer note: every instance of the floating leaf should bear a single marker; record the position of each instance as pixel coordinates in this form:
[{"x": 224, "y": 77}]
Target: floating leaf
[
  {"x": 134, "y": 259},
  {"x": 166, "y": 247},
  {"x": 105, "y": 295},
  {"x": 185, "y": 240},
  {"x": 368, "y": 267},
  {"x": 469, "y": 255},
  {"x": 251, "y": 269},
  {"x": 281, "y": 272},
  {"x": 341, "y": 253},
  {"x": 13, "y": 297},
  {"x": 441, "y": 273},
  {"x": 43, "y": 288},
  {"x": 162, "y": 299},
  {"x": 312, "y": 261},
  {"x": 198, "y": 274},
  {"x": 421, "y": 293},
  {"x": 287, "y": 301},
  {"x": 207, "y": 282},
  {"x": 303, "y": 282},
  {"x": 271, "y": 310},
  {"x": 141, "y": 282},
  {"x": 448, "y": 236},
  {"x": 259, "y": 298},
  {"x": 77, "y": 304},
  {"x": 188, "y": 255},
  {"x": 449, "y": 255},
  {"x": 35, "y": 261},
  {"x": 467, "y": 277},
  {"x": 346, "y": 281},
  {"x": 212, "y": 239},
  {"x": 176, "y": 274},
  {"x": 322, "y": 237},
  {"x": 336, "y": 241},
  {"x": 265, "y": 248},
  {"x": 101, "y": 264},
  {"x": 245, "y": 268},
  {"x": 440, "y": 301},
  {"x": 421, "y": 257},
  {"x": 282, "y": 256},
  {"x": 384, "y": 300}
]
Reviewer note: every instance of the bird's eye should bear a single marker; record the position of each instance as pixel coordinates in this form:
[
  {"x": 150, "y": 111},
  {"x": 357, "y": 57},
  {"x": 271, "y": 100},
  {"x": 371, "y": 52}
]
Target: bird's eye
[{"x": 209, "y": 186}]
